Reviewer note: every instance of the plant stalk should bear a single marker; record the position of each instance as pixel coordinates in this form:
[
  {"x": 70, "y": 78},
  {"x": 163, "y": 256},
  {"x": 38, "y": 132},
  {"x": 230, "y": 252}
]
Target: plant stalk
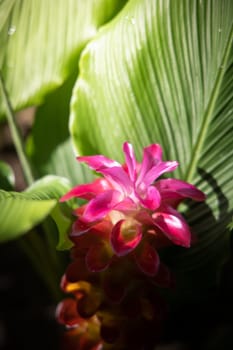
[
  {"x": 38, "y": 250},
  {"x": 16, "y": 135}
]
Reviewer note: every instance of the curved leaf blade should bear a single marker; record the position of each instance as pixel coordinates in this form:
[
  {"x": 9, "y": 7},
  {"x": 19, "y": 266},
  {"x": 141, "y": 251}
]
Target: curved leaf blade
[
  {"x": 162, "y": 72},
  {"x": 41, "y": 41},
  {"x": 19, "y": 212}
]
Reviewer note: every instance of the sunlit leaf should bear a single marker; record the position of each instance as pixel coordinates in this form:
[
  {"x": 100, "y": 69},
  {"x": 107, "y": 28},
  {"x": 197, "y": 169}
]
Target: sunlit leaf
[
  {"x": 7, "y": 178},
  {"x": 162, "y": 71},
  {"x": 19, "y": 212},
  {"x": 41, "y": 41},
  {"x": 5, "y": 8}
]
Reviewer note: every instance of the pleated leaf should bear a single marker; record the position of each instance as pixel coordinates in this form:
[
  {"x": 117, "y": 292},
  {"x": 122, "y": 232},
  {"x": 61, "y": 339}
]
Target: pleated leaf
[
  {"x": 19, "y": 212},
  {"x": 5, "y": 8},
  {"x": 162, "y": 71},
  {"x": 40, "y": 41}
]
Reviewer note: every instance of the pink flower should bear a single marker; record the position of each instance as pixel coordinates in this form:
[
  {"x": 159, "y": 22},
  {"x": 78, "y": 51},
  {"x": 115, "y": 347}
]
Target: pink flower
[{"x": 139, "y": 207}]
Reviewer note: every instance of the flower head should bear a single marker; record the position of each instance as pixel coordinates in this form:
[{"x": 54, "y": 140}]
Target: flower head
[
  {"x": 130, "y": 214},
  {"x": 133, "y": 206}
]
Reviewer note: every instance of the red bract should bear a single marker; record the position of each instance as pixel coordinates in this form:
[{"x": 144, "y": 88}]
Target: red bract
[
  {"x": 129, "y": 216},
  {"x": 132, "y": 200}
]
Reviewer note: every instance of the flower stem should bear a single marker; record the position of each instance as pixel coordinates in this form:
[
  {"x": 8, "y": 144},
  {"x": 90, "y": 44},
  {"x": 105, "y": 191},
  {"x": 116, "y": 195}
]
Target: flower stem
[
  {"x": 38, "y": 248},
  {"x": 16, "y": 135}
]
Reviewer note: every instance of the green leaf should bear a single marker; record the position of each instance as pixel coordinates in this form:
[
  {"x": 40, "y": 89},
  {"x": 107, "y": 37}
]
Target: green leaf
[
  {"x": 162, "y": 71},
  {"x": 41, "y": 41},
  {"x": 19, "y": 212},
  {"x": 49, "y": 187},
  {"x": 5, "y": 8},
  {"x": 7, "y": 178},
  {"x": 63, "y": 224},
  {"x": 56, "y": 155}
]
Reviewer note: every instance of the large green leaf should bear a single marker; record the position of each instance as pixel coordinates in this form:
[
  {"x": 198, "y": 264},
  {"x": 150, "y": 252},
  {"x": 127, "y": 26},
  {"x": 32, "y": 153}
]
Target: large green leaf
[
  {"x": 19, "y": 212},
  {"x": 40, "y": 41},
  {"x": 56, "y": 155},
  {"x": 162, "y": 71}
]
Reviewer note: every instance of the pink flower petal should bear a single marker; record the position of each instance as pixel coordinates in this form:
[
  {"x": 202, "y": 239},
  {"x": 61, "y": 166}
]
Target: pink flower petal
[
  {"x": 130, "y": 160},
  {"x": 175, "y": 189},
  {"x": 98, "y": 162},
  {"x": 80, "y": 227},
  {"x": 119, "y": 178},
  {"x": 150, "y": 198},
  {"x": 173, "y": 225},
  {"x": 148, "y": 260},
  {"x": 152, "y": 156},
  {"x": 126, "y": 206},
  {"x": 99, "y": 207},
  {"x": 157, "y": 171},
  {"x": 144, "y": 217},
  {"x": 94, "y": 231},
  {"x": 87, "y": 191},
  {"x": 125, "y": 236},
  {"x": 113, "y": 170},
  {"x": 98, "y": 257}
]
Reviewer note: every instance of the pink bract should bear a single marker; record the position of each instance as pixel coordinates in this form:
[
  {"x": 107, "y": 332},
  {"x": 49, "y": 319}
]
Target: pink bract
[{"x": 137, "y": 204}]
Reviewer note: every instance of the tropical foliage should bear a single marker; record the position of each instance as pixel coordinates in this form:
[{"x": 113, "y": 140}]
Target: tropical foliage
[{"x": 102, "y": 72}]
